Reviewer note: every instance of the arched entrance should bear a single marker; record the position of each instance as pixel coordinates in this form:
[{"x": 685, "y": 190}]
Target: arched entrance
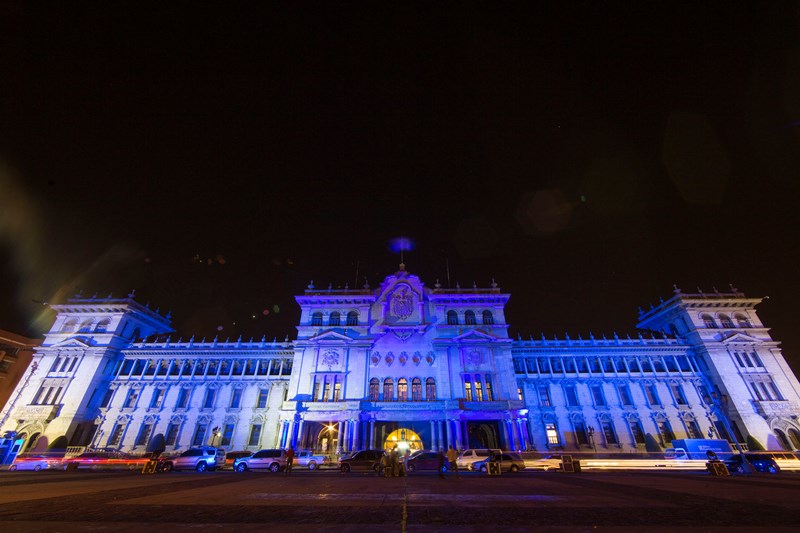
[
  {"x": 327, "y": 438},
  {"x": 404, "y": 439}
]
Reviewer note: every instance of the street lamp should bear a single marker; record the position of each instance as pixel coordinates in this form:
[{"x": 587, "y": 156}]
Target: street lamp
[
  {"x": 214, "y": 435},
  {"x": 590, "y": 432}
]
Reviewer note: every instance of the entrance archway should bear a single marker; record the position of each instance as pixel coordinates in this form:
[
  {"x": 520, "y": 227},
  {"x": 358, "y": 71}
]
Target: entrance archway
[{"x": 404, "y": 439}]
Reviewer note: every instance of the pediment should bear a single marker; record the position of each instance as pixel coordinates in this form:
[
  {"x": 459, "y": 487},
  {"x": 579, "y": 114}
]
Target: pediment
[
  {"x": 73, "y": 342},
  {"x": 329, "y": 336},
  {"x": 736, "y": 337},
  {"x": 475, "y": 335}
]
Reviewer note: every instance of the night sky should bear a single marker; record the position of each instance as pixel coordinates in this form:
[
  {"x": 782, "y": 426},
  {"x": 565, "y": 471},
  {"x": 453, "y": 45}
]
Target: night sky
[{"x": 587, "y": 157}]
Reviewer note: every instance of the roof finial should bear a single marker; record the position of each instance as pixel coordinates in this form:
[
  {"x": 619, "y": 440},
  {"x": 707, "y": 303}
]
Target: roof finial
[
  {"x": 311, "y": 285},
  {"x": 734, "y": 289},
  {"x": 132, "y": 294},
  {"x": 675, "y": 288},
  {"x": 494, "y": 284}
]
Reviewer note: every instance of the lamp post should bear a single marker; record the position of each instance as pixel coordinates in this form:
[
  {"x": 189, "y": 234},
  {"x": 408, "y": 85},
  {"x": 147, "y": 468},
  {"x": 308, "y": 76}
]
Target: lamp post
[
  {"x": 214, "y": 435},
  {"x": 590, "y": 432}
]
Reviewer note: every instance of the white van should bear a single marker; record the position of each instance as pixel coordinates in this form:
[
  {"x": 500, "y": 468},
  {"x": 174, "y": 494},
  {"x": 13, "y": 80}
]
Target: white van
[{"x": 473, "y": 455}]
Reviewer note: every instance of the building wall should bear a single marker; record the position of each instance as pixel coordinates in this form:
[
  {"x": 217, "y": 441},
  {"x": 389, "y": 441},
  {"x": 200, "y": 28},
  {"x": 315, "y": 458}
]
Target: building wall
[{"x": 340, "y": 385}]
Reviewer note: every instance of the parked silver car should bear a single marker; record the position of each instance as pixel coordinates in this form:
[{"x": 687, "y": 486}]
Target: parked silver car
[
  {"x": 509, "y": 462},
  {"x": 273, "y": 460},
  {"x": 200, "y": 459}
]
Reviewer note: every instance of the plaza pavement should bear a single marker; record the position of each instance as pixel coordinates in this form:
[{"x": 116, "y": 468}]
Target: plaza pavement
[{"x": 356, "y": 502}]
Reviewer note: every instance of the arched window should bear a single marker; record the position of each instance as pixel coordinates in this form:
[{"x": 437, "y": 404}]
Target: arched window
[
  {"x": 69, "y": 326},
  {"x": 86, "y": 327},
  {"x": 452, "y": 318},
  {"x": 402, "y": 390},
  {"x": 784, "y": 442},
  {"x": 726, "y": 321},
  {"x": 469, "y": 318},
  {"x": 374, "y": 389},
  {"x": 795, "y": 436},
  {"x": 488, "y": 318},
  {"x": 316, "y": 319},
  {"x": 430, "y": 389},
  {"x": 352, "y": 318},
  {"x": 334, "y": 319},
  {"x": 416, "y": 390},
  {"x": 709, "y": 322},
  {"x": 742, "y": 321},
  {"x": 388, "y": 390},
  {"x": 102, "y": 326}
]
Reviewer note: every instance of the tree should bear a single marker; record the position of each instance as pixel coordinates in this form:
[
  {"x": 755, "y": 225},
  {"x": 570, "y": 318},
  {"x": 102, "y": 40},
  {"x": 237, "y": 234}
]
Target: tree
[
  {"x": 753, "y": 445},
  {"x": 157, "y": 444},
  {"x": 651, "y": 444}
]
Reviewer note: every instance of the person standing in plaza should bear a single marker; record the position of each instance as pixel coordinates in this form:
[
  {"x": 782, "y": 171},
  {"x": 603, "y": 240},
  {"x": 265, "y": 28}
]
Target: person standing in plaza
[
  {"x": 289, "y": 460},
  {"x": 442, "y": 460},
  {"x": 452, "y": 458}
]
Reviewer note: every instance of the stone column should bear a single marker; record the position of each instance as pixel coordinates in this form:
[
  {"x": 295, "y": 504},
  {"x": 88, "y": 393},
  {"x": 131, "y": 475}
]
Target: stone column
[
  {"x": 356, "y": 439},
  {"x": 371, "y": 444},
  {"x": 299, "y": 438},
  {"x": 457, "y": 443},
  {"x": 433, "y": 436},
  {"x": 464, "y": 435},
  {"x": 449, "y": 437},
  {"x": 340, "y": 438}
]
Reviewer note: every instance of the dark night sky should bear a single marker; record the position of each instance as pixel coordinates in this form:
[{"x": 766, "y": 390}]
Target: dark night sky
[{"x": 587, "y": 157}]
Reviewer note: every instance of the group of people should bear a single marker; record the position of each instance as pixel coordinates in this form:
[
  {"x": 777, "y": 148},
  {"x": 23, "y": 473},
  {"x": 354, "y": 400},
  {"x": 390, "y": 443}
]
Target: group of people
[{"x": 393, "y": 464}]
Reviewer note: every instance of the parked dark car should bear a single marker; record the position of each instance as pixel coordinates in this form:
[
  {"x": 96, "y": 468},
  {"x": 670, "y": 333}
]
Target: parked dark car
[
  {"x": 760, "y": 463},
  {"x": 363, "y": 460},
  {"x": 425, "y": 461}
]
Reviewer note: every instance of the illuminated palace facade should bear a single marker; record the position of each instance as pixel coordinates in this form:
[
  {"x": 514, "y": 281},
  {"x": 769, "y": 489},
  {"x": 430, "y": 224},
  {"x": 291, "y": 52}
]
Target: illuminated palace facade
[{"x": 408, "y": 365}]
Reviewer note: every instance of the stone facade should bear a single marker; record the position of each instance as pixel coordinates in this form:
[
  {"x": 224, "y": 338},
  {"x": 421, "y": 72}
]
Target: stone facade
[{"x": 410, "y": 366}]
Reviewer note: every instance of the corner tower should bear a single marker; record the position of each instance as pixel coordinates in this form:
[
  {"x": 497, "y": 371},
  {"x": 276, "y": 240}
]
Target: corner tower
[
  {"x": 755, "y": 388},
  {"x": 74, "y": 364}
]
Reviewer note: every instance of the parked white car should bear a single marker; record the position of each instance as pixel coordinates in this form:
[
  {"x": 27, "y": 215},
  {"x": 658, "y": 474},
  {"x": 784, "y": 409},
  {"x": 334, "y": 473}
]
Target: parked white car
[
  {"x": 471, "y": 456},
  {"x": 36, "y": 463},
  {"x": 310, "y": 460}
]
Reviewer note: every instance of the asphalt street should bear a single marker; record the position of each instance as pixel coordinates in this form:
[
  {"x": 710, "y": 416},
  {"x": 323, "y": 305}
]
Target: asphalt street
[{"x": 332, "y": 501}]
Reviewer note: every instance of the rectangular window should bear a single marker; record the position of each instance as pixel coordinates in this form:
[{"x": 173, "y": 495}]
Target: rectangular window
[
  {"x": 552, "y": 434},
  {"x": 158, "y": 397},
  {"x": 74, "y": 362},
  {"x": 609, "y": 433},
  {"x": 693, "y": 430},
  {"x": 775, "y": 390},
  {"x": 236, "y": 398},
  {"x": 571, "y": 393},
  {"x": 337, "y": 389},
  {"x": 738, "y": 359},
  {"x": 597, "y": 395},
  {"x": 263, "y": 394},
  {"x": 227, "y": 435},
  {"x": 666, "y": 433},
  {"x": 326, "y": 390},
  {"x": 172, "y": 434},
  {"x": 756, "y": 391},
  {"x": 625, "y": 395},
  {"x": 652, "y": 395},
  {"x": 544, "y": 396},
  {"x": 636, "y": 431},
  {"x": 580, "y": 434},
  {"x": 757, "y": 360},
  {"x": 199, "y": 434},
  {"x": 489, "y": 396},
  {"x": 519, "y": 394},
  {"x": 677, "y": 394},
  {"x": 116, "y": 435},
  {"x": 208, "y": 402},
  {"x": 130, "y": 400},
  {"x": 467, "y": 389},
  {"x": 107, "y": 398},
  {"x": 255, "y": 435},
  {"x": 315, "y": 394},
  {"x": 478, "y": 389},
  {"x": 144, "y": 435},
  {"x": 183, "y": 398}
]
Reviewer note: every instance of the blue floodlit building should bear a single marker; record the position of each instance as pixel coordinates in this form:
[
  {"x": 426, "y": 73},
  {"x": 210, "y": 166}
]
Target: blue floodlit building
[{"x": 413, "y": 366}]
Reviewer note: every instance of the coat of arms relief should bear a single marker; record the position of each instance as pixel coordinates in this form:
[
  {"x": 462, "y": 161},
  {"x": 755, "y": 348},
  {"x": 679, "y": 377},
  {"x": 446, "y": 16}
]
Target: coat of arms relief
[{"x": 402, "y": 303}]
